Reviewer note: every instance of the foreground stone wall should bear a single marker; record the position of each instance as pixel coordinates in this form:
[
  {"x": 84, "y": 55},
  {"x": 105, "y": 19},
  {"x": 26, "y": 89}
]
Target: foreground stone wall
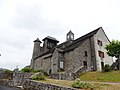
[
  {"x": 4, "y": 74},
  {"x": 6, "y": 82},
  {"x": 17, "y": 79},
  {"x": 34, "y": 85},
  {"x": 20, "y": 77}
]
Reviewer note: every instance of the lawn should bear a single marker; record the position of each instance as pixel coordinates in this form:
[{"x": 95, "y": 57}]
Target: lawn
[
  {"x": 113, "y": 76},
  {"x": 69, "y": 84}
]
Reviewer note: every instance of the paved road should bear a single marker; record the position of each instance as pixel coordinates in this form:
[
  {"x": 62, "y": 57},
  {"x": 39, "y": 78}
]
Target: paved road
[{"x": 7, "y": 88}]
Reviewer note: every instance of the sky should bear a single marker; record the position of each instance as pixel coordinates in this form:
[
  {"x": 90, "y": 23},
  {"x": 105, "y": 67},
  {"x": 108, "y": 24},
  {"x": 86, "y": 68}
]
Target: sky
[{"x": 22, "y": 21}]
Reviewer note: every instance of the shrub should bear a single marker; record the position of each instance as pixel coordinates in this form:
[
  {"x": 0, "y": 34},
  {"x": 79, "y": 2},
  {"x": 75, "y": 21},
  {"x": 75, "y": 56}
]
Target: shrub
[
  {"x": 40, "y": 70},
  {"x": 81, "y": 85},
  {"x": 38, "y": 78},
  {"x": 26, "y": 69},
  {"x": 8, "y": 71},
  {"x": 106, "y": 68}
]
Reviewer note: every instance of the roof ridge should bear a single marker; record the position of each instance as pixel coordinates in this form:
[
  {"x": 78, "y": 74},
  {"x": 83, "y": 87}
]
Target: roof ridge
[{"x": 80, "y": 39}]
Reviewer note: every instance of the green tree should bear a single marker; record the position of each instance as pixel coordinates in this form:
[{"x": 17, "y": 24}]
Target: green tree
[{"x": 113, "y": 49}]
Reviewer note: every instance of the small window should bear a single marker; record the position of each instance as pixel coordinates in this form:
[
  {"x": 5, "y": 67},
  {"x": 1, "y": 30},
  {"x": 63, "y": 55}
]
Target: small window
[
  {"x": 85, "y": 63},
  {"x": 99, "y": 42},
  {"x": 61, "y": 64},
  {"x": 101, "y": 54},
  {"x": 86, "y": 54}
]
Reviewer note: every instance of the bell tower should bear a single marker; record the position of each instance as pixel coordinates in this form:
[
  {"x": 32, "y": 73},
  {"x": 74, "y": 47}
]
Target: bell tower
[
  {"x": 36, "y": 52},
  {"x": 70, "y": 36},
  {"x": 49, "y": 42}
]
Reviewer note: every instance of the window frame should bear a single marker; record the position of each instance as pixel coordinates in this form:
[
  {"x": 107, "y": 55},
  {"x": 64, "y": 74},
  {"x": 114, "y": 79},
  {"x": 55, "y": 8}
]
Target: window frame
[
  {"x": 99, "y": 42},
  {"x": 101, "y": 54}
]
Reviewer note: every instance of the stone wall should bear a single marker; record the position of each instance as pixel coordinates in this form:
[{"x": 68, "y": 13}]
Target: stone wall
[
  {"x": 63, "y": 76},
  {"x": 5, "y": 74},
  {"x": 69, "y": 74},
  {"x": 43, "y": 62},
  {"x": 6, "y": 82},
  {"x": 76, "y": 57},
  {"x": 100, "y": 35},
  {"x": 20, "y": 77},
  {"x": 34, "y": 85}
]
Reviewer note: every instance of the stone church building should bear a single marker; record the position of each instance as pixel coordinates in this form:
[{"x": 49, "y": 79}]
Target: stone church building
[{"x": 87, "y": 51}]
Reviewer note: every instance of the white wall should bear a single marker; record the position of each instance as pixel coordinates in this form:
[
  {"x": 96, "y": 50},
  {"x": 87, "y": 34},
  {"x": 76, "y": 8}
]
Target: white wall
[{"x": 107, "y": 59}]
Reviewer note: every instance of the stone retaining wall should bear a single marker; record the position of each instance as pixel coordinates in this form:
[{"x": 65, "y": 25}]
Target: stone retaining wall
[
  {"x": 20, "y": 77},
  {"x": 4, "y": 74},
  {"x": 34, "y": 85},
  {"x": 17, "y": 79},
  {"x": 63, "y": 76},
  {"x": 6, "y": 82}
]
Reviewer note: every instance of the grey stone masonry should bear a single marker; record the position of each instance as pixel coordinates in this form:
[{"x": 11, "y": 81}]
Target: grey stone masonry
[
  {"x": 35, "y": 85},
  {"x": 19, "y": 78}
]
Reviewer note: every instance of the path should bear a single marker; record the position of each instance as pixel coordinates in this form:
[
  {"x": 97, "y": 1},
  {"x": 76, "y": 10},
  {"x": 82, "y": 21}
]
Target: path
[{"x": 113, "y": 83}]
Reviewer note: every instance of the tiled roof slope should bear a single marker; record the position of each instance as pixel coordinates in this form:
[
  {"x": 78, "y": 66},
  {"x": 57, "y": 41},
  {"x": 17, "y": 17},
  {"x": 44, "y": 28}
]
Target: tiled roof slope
[
  {"x": 75, "y": 43},
  {"x": 70, "y": 46}
]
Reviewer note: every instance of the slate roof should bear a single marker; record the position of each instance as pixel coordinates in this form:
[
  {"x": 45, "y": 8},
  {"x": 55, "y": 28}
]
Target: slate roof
[
  {"x": 51, "y": 38},
  {"x": 74, "y": 43},
  {"x": 70, "y": 32},
  {"x": 78, "y": 41},
  {"x": 37, "y": 40}
]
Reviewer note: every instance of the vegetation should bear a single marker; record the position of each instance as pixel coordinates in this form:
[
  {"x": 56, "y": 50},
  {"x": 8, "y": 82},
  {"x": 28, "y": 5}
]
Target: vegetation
[
  {"x": 42, "y": 77},
  {"x": 8, "y": 71},
  {"x": 26, "y": 69},
  {"x": 113, "y": 49},
  {"x": 6, "y": 74},
  {"x": 113, "y": 76},
  {"x": 96, "y": 86},
  {"x": 40, "y": 70},
  {"x": 106, "y": 68},
  {"x": 81, "y": 85}
]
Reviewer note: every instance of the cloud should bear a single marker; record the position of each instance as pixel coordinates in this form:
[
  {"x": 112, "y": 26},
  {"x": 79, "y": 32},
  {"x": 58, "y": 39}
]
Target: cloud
[
  {"x": 32, "y": 17},
  {"x": 22, "y": 21}
]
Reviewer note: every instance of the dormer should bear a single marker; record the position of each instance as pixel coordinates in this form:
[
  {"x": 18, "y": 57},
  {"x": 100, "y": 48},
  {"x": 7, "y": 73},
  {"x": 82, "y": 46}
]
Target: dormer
[{"x": 70, "y": 36}]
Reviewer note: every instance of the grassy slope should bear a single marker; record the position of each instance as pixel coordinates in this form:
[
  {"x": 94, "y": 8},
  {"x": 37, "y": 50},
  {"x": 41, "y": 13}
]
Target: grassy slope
[
  {"x": 113, "y": 76},
  {"x": 69, "y": 84}
]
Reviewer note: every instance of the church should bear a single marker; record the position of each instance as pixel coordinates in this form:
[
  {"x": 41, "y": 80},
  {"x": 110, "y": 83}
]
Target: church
[{"x": 87, "y": 51}]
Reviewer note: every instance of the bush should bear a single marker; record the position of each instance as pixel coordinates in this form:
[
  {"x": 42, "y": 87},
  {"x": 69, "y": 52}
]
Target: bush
[
  {"x": 40, "y": 70},
  {"x": 8, "y": 71},
  {"x": 106, "y": 68},
  {"x": 38, "y": 78},
  {"x": 81, "y": 85},
  {"x": 26, "y": 69}
]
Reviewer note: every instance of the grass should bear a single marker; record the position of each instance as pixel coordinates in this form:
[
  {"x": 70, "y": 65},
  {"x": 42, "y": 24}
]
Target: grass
[
  {"x": 59, "y": 82},
  {"x": 67, "y": 83},
  {"x": 113, "y": 76}
]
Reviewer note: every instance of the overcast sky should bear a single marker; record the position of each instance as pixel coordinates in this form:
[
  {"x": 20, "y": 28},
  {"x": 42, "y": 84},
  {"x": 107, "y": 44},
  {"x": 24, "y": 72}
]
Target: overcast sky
[{"x": 22, "y": 21}]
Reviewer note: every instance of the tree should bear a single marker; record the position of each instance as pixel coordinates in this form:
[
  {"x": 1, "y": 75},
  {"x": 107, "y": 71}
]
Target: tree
[{"x": 113, "y": 49}]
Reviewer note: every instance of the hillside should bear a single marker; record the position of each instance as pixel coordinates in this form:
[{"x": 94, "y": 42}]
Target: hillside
[{"x": 113, "y": 76}]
